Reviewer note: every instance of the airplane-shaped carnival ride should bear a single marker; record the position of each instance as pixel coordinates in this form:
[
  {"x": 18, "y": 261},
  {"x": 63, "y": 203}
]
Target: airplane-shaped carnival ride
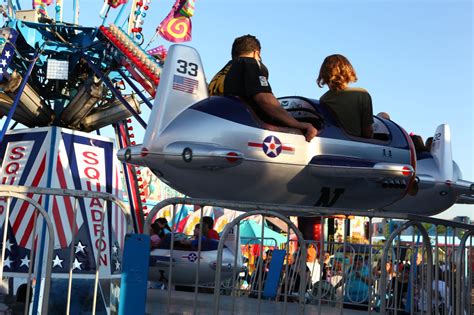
[
  {"x": 216, "y": 147},
  {"x": 61, "y": 74}
]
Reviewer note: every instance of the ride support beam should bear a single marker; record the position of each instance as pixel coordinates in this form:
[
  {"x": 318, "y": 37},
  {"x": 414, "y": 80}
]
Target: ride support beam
[
  {"x": 18, "y": 96},
  {"x": 114, "y": 91},
  {"x": 131, "y": 180},
  {"x": 75, "y": 8},
  {"x": 137, "y": 90}
]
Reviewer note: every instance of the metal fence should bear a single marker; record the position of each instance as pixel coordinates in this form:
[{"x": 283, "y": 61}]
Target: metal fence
[
  {"x": 409, "y": 272},
  {"x": 423, "y": 266},
  {"x": 38, "y": 278}
]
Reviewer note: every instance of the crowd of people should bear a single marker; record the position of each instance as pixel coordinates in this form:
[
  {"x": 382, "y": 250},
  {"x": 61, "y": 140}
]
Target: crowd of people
[
  {"x": 358, "y": 281},
  {"x": 355, "y": 281},
  {"x": 345, "y": 276}
]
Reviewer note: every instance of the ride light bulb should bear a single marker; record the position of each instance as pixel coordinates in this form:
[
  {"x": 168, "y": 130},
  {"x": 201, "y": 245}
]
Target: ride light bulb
[{"x": 406, "y": 171}]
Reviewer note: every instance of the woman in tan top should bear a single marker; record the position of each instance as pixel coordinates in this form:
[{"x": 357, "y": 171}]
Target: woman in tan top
[{"x": 352, "y": 106}]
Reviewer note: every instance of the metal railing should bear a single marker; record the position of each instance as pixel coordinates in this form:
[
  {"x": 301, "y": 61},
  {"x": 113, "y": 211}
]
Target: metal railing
[
  {"x": 289, "y": 281},
  {"x": 238, "y": 206},
  {"x": 464, "y": 277},
  {"x": 44, "y": 214},
  {"x": 25, "y": 193},
  {"x": 413, "y": 272},
  {"x": 376, "y": 277}
]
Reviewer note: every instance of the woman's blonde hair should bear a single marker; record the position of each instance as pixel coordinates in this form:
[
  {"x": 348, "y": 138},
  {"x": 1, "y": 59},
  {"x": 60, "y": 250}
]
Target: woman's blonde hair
[{"x": 336, "y": 71}]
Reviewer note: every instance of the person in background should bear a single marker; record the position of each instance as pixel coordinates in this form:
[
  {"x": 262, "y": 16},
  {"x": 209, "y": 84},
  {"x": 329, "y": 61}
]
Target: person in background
[
  {"x": 383, "y": 115},
  {"x": 154, "y": 237},
  {"x": 418, "y": 143},
  {"x": 163, "y": 227},
  {"x": 422, "y": 152},
  {"x": 429, "y": 143},
  {"x": 358, "y": 282},
  {"x": 161, "y": 234},
  {"x": 351, "y": 106},
  {"x": 296, "y": 274},
  {"x": 313, "y": 263},
  {"x": 326, "y": 265},
  {"x": 211, "y": 233},
  {"x": 206, "y": 243},
  {"x": 399, "y": 289},
  {"x": 311, "y": 253}
]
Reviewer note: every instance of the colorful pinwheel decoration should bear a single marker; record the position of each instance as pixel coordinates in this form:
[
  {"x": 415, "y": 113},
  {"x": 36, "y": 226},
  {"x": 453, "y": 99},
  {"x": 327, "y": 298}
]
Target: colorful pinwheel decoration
[{"x": 176, "y": 27}]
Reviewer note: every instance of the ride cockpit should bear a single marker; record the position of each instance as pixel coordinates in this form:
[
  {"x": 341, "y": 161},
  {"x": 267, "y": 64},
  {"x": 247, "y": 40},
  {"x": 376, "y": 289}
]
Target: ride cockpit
[{"x": 311, "y": 111}]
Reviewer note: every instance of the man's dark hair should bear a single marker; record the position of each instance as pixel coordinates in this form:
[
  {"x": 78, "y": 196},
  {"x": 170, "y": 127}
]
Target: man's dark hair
[
  {"x": 209, "y": 222},
  {"x": 245, "y": 44}
]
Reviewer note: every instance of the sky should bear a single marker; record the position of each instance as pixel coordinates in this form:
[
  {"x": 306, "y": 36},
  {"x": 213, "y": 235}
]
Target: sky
[{"x": 414, "y": 57}]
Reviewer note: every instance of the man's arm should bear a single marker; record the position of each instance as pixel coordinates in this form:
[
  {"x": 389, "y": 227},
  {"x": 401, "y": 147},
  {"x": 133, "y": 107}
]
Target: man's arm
[{"x": 270, "y": 105}]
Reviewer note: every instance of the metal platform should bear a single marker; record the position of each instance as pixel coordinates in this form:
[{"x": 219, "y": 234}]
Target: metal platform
[{"x": 182, "y": 303}]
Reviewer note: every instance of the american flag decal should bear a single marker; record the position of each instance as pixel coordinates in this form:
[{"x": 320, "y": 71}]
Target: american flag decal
[
  {"x": 5, "y": 59},
  {"x": 8, "y": 37},
  {"x": 184, "y": 84}
]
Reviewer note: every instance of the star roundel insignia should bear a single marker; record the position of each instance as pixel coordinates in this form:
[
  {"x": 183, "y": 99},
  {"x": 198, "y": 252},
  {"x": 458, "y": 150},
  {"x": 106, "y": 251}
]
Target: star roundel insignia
[
  {"x": 272, "y": 146},
  {"x": 192, "y": 257}
]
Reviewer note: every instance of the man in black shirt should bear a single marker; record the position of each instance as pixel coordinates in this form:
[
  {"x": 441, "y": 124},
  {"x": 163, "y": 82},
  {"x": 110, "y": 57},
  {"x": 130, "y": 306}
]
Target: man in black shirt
[{"x": 246, "y": 77}]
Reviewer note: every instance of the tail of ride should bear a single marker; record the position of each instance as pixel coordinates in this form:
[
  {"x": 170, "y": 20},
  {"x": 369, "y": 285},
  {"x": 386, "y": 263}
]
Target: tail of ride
[
  {"x": 442, "y": 153},
  {"x": 182, "y": 83},
  {"x": 439, "y": 180},
  {"x": 449, "y": 171}
]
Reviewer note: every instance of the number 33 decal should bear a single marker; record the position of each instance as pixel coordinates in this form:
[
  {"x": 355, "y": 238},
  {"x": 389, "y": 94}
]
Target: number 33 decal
[{"x": 187, "y": 68}]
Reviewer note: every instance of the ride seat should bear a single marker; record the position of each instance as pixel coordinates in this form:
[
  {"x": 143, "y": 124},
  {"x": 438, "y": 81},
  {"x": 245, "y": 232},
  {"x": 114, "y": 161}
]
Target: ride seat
[
  {"x": 235, "y": 109},
  {"x": 377, "y": 138},
  {"x": 381, "y": 131},
  {"x": 268, "y": 126},
  {"x": 302, "y": 110}
]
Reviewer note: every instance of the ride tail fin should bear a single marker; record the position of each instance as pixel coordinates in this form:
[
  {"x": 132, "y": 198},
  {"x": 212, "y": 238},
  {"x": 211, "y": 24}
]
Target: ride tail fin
[
  {"x": 182, "y": 83},
  {"x": 234, "y": 245},
  {"x": 441, "y": 152}
]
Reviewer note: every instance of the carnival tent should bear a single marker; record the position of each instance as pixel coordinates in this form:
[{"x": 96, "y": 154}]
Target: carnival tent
[{"x": 251, "y": 233}]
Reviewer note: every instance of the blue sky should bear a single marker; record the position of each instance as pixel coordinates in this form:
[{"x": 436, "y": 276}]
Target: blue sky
[{"x": 414, "y": 57}]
